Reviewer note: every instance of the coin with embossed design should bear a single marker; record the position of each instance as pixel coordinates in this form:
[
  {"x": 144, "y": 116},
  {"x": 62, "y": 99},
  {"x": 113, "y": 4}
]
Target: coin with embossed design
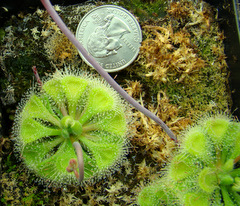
[{"x": 112, "y": 35}]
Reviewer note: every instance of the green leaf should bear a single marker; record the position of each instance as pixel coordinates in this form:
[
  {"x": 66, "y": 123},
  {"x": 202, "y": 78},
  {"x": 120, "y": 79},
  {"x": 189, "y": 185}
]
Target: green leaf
[
  {"x": 99, "y": 100},
  {"x": 236, "y": 185},
  {"x": 54, "y": 90},
  {"x": 34, "y": 153},
  {"x": 217, "y": 128},
  {"x": 35, "y": 108},
  {"x": 182, "y": 167},
  {"x": 73, "y": 88},
  {"x": 226, "y": 197},
  {"x": 31, "y": 130},
  {"x": 104, "y": 154},
  {"x": 207, "y": 179},
  {"x": 196, "y": 199},
  {"x": 236, "y": 146},
  {"x": 195, "y": 143},
  {"x": 225, "y": 179},
  {"x": 113, "y": 122},
  {"x": 228, "y": 165},
  {"x": 235, "y": 196},
  {"x": 155, "y": 194},
  {"x": 55, "y": 166},
  {"x": 235, "y": 172}
]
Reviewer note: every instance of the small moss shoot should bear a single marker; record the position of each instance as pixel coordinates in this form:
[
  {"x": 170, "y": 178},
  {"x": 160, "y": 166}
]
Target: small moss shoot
[{"x": 146, "y": 10}]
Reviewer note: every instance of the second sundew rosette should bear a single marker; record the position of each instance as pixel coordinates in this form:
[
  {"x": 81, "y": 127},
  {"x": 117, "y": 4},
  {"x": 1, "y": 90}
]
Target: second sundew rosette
[
  {"x": 68, "y": 108},
  {"x": 205, "y": 171}
]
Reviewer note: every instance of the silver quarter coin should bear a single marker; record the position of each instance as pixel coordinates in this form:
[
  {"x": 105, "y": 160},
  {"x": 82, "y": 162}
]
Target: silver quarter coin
[{"x": 112, "y": 35}]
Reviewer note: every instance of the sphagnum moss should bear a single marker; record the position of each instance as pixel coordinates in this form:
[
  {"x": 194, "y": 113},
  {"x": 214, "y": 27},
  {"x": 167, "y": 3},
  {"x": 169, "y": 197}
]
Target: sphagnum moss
[
  {"x": 68, "y": 109},
  {"x": 182, "y": 54}
]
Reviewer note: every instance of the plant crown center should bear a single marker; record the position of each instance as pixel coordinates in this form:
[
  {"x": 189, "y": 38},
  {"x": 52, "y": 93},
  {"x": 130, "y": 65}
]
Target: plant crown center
[{"x": 70, "y": 127}]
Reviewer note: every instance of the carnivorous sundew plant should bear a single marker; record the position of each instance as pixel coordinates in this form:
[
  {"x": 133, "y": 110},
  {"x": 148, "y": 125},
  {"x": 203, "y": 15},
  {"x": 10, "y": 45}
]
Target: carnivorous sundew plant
[
  {"x": 71, "y": 110},
  {"x": 205, "y": 170}
]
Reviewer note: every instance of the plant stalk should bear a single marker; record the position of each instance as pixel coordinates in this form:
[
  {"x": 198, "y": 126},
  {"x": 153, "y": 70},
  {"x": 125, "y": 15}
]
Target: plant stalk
[
  {"x": 80, "y": 161},
  {"x": 236, "y": 159}
]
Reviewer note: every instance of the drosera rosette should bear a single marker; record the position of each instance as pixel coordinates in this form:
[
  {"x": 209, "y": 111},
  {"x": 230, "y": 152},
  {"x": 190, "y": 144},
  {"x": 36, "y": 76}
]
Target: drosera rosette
[
  {"x": 71, "y": 110},
  {"x": 205, "y": 170}
]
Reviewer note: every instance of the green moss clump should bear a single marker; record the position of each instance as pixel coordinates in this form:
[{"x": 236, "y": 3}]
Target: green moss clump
[{"x": 146, "y": 10}]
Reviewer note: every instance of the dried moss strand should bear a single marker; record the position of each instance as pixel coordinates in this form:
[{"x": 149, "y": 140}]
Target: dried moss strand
[
  {"x": 80, "y": 161},
  {"x": 101, "y": 71}
]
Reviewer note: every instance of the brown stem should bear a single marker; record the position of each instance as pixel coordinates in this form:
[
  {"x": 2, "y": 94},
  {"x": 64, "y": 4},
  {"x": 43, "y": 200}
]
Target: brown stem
[
  {"x": 80, "y": 162},
  {"x": 63, "y": 109},
  {"x": 89, "y": 127},
  {"x": 236, "y": 159},
  {"x": 34, "y": 68},
  {"x": 218, "y": 155}
]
